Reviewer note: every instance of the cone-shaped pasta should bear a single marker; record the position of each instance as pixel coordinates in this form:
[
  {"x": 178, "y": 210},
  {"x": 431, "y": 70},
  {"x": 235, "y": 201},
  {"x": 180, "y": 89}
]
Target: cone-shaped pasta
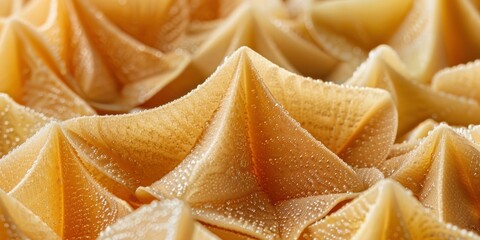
[
  {"x": 415, "y": 102},
  {"x": 427, "y": 34},
  {"x": 265, "y": 27},
  {"x": 47, "y": 176},
  {"x": 442, "y": 171},
  {"x": 33, "y": 76},
  {"x": 111, "y": 70},
  {"x": 462, "y": 80},
  {"x": 17, "y": 123},
  {"x": 358, "y": 125},
  {"x": 138, "y": 149},
  {"x": 386, "y": 211},
  {"x": 255, "y": 170},
  {"x": 350, "y": 38},
  {"x": 169, "y": 219}
]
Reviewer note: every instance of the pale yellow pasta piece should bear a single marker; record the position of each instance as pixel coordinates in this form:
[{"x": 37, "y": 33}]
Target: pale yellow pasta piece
[
  {"x": 128, "y": 151},
  {"x": 33, "y": 76},
  {"x": 442, "y": 171},
  {"x": 386, "y": 211},
  {"x": 264, "y": 27},
  {"x": 47, "y": 176},
  {"x": 111, "y": 70},
  {"x": 415, "y": 102},
  {"x": 168, "y": 219},
  {"x": 255, "y": 170}
]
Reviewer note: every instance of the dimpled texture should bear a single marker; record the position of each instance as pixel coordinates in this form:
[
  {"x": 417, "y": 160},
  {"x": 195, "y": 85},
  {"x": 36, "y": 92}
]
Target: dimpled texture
[
  {"x": 442, "y": 172},
  {"x": 32, "y": 76},
  {"x": 271, "y": 165},
  {"x": 427, "y": 34},
  {"x": 239, "y": 119},
  {"x": 73, "y": 205},
  {"x": 168, "y": 219},
  {"x": 415, "y": 102},
  {"x": 401, "y": 215},
  {"x": 461, "y": 80},
  {"x": 18, "y": 123},
  {"x": 129, "y": 155},
  {"x": 117, "y": 65},
  {"x": 18, "y": 222},
  {"x": 107, "y": 67}
]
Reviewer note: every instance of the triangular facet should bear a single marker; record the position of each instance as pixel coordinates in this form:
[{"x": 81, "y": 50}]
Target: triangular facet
[{"x": 386, "y": 211}]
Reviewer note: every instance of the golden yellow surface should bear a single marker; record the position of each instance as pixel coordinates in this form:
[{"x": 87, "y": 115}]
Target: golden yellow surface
[{"x": 239, "y": 119}]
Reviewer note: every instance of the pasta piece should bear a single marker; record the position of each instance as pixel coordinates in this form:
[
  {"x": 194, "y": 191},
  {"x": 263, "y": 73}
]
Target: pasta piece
[
  {"x": 169, "y": 219},
  {"x": 415, "y": 103},
  {"x": 442, "y": 172},
  {"x": 47, "y": 177},
  {"x": 386, "y": 211}
]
